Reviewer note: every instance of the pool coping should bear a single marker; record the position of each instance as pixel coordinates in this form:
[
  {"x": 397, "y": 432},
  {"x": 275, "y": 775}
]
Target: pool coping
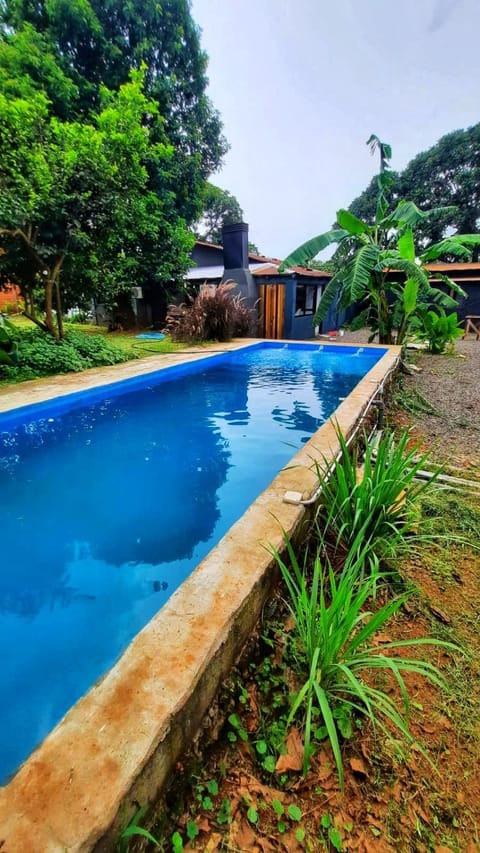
[{"x": 116, "y": 747}]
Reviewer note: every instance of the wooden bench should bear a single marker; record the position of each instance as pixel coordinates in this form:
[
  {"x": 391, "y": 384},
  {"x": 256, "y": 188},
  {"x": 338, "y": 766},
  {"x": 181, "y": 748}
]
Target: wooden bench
[{"x": 471, "y": 326}]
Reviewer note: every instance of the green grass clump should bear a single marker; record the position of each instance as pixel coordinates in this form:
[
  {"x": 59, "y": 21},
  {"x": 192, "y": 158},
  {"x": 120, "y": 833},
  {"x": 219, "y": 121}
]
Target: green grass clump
[
  {"x": 333, "y": 642},
  {"x": 371, "y": 500}
]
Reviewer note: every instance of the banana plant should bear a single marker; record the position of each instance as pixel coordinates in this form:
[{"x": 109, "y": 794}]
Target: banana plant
[
  {"x": 439, "y": 329},
  {"x": 382, "y": 271}
]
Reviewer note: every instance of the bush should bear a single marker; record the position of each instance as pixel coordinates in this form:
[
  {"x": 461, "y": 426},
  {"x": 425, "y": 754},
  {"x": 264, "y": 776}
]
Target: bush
[
  {"x": 217, "y": 316},
  {"x": 439, "y": 329},
  {"x": 39, "y": 354}
]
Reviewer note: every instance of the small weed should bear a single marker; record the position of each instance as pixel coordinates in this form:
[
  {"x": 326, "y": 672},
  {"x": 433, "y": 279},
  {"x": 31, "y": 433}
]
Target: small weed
[
  {"x": 330, "y": 834},
  {"x": 134, "y": 829}
]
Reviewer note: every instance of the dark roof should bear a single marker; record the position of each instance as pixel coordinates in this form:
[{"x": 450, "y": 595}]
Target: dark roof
[{"x": 273, "y": 263}]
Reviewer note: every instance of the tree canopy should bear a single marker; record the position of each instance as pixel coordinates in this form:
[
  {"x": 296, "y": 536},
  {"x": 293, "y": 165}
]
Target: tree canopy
[
  {"x": 219, "y": 208},
  {"x": 107, "y": 137},
  {"x": 448, "y": 176},
  {"x": 75, "y": 200}
]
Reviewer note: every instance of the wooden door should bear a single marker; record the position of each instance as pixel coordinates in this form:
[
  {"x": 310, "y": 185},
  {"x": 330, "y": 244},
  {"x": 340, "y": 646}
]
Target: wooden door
[{"x": 271, "y": 311}]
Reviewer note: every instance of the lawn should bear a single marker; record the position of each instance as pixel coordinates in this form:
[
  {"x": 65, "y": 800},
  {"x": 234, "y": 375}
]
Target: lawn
[{"x": 84, "y": 347}]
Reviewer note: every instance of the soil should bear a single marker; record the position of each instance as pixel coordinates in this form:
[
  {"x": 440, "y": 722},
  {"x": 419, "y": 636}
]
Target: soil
[{"x": 425, "y": 798}]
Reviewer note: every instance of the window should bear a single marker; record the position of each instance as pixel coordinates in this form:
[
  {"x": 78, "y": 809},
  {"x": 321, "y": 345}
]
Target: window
[{"x": 305, "y": 299}]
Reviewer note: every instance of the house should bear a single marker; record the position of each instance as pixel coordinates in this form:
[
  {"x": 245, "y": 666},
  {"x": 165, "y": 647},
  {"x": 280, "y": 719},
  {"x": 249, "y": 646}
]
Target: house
[
  {"x": 286, "y": 302},
  {"x": 467, "y": 275}
]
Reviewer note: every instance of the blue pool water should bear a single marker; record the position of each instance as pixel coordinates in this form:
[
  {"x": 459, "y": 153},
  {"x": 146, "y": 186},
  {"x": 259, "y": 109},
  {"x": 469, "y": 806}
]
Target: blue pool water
[{"x": 110, "y": 498}]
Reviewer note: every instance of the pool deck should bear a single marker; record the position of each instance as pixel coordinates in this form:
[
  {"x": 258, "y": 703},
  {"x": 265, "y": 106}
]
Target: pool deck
[{"x": 117, "y": 746}]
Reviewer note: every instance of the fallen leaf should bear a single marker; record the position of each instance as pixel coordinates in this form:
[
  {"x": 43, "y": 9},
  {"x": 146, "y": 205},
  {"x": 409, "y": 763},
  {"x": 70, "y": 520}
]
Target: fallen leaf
[
  {"x": 265, "y": 845},
  {"x": 203, "y": 824},
  {"x": 358, "y": 766},
  {"x": 440, "y": 615},
  {"x": 381, "y": 638},
  {"x": 213, "y": 844},
  {"x": 293, "y": 759},
  {"x": 242, "y": 835}
]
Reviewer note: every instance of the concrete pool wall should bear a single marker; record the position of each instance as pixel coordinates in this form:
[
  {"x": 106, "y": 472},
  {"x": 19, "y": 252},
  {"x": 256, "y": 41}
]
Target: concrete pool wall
[{"x": 116, "y": 747}]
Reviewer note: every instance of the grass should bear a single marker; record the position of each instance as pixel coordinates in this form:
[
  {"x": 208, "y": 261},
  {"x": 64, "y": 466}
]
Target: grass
[
  {"x": 36, "y": 359},
  {"x": 128, "y": 340}
]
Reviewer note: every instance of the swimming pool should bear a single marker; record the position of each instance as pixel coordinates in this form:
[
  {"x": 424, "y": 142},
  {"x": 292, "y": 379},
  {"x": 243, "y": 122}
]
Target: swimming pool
[{"x": 110, "y": 498}]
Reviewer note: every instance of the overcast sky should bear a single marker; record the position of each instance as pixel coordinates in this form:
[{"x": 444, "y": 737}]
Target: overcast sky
[{"x": 301, "y": 84}]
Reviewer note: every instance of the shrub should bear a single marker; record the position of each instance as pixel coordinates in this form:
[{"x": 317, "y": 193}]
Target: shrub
[
  {"x": 440, "y": 330},
  {"x": 211, "y": 316},
  {"x": 96, "y": 349},
  {"x": 8, "y": 342},
  {"x": 39, "y": 354}
]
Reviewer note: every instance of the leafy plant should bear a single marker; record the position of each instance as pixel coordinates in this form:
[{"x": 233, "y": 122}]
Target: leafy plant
[
  {"x": 370, "y": 501},
  {"x": 441, "y": 330},
  {"x": 38, "y": 354},
  {"x": 379, "y": 268},
  {"x": 334, "y": 649},
  {"x": 8, "y": 343}
]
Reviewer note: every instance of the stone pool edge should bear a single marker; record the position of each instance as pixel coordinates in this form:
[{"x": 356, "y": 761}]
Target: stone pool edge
[{"x": 117, "y": 746}]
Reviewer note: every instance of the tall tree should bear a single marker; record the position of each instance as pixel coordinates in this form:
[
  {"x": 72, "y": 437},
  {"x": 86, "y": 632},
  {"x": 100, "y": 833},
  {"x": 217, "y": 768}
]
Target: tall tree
[
  {"x": 71, "y": 190},
  {"x": 445, "y": 176},
  {"x": 60, "y": 60},
  {"x": 97, "y": 43},
  {"x": 219, "y": 208},
  {"x": 381, "y": 270}
]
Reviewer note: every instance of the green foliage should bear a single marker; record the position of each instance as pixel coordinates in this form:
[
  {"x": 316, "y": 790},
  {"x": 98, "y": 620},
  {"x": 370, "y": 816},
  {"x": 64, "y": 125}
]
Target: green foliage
[
  {"x": 76, "y": 196},
  {"x": 8, "y": 342},
  {"x": 85, "y": 45},
  {"x": 447, "y": 175},
  {"x": 370, "y": 500},
  {"x": 41, "y": 355},
  {"x": 219, "y": 208},
  {"x": 106, "y": 138},
  {"x": 211, "y": 316},
  {"x": 441, "y": 330},
  {"x": 134, "y": 829},
  {"x": 334, "y": 645},
  {"x": 377, "y": 266}
]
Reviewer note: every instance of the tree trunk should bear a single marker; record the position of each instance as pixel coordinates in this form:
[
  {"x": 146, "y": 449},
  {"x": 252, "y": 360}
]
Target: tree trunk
[
  {"x": 384, "y": 319},
  {"x": 58, "y": 301},
  {"x": 48, "y": 306}
]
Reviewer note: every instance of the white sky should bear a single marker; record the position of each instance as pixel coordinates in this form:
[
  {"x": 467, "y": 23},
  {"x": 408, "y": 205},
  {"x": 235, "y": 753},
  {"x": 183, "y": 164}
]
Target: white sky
[{"x": 301, "y": 84}]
